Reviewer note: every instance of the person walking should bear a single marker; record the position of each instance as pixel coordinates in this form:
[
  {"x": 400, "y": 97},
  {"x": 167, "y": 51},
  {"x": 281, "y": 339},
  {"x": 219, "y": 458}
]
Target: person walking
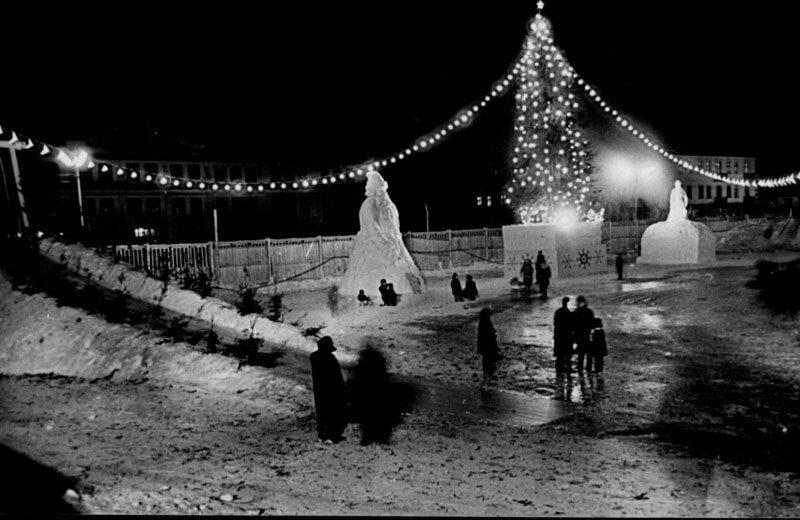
[
  {"x": 470, "y": 289},
  {"x": 487, "y": 344},
  {"x": 544, "y": 279},
  {"x": 597, "y": 348},
  {"x": 329, "y": 392},
  {"x": 540, "y": 260},
  {"x": 563, "y": 338},
  {"x": 583, "y": 325},
  {"x": 527, "y": 276},
  {"x": 619, "y": 263},
  {"x": 455, "y": 286}
]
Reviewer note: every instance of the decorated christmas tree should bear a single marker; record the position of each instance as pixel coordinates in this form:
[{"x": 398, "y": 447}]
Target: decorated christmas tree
[{"x": 551, "y": 158}]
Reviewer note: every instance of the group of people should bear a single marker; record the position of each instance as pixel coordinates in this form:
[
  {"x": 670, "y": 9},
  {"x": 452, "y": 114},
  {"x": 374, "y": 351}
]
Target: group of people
[
  {"x": 578, "y": 332},
  {"x": 469, "y": 292},
  {"x": 364, "y": 398},
  {"x": 541, "y": 270},
  {"x": 388, "y": 296}
]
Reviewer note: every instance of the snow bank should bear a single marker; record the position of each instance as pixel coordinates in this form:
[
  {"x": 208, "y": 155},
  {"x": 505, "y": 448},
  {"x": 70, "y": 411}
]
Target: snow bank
[
  {"x": 119, "y": 277},
  {"x": 39, "y": 337}
]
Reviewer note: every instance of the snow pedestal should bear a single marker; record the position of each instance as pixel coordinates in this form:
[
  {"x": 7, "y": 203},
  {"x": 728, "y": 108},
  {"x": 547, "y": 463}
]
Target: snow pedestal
[
  {"x": 379, "y": 252},
  {"x": 678, "y": 241},
  {"x": 569, "y": 250}
]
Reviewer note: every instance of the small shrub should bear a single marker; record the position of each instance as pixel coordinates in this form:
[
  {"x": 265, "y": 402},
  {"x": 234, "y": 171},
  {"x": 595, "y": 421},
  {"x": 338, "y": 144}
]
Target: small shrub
[
  {"x": 275, "y": 308},
  {"x": 248, "y": 303}
]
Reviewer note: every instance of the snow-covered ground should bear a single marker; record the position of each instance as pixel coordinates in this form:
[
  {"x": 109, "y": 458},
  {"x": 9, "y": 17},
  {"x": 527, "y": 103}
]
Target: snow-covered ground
[{"x": 696, "y": 415}]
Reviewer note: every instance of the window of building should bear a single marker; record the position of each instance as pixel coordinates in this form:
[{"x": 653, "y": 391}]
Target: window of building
[
  {"x": 708, "y": 192},
  {"x": 479, "y": 201},
  {"x": 151, "y": 168},
  {"x": 135, "y": 207},
  {"x": 747, "y": 192},
  {"x": 746, "y": 167},
  {"x": 736, "y": 192},
  {"x": 700, "y": 194},
  {"x": 236, "y": 173},
  {"x": 107, "y": 206},
  {"x": 689, "y": 191},
  {"x": 736, "y": 168},
  {"x": 719, "y": 166},
  {"x": 193, "y": 171},
  {"x": 251, "y": 174},
  {"x": 152, "y": 206},
  {"x": 221, "y": 173},
  {"x": 195, "y": 206},
  {"x": 176, "y": 170},
  {"x": 488, "y": 201},
  {"x": 132, "y": 166},
  {"x": 178, "y": 206},
  {"x": 728, "y": 191},
  {"x": 719, "y": 192}
]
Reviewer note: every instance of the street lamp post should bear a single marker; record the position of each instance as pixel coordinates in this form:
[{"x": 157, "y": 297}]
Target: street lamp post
[{"x": 77, "y": 161}]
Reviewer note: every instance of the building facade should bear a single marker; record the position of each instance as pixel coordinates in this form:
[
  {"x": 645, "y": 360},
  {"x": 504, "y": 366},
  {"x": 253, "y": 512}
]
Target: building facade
[{"x": 703, "y": 191}]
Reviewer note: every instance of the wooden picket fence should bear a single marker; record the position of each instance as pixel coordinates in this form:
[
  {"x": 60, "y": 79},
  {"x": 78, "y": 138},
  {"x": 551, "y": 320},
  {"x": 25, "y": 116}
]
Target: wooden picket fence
[{"x": 267, "y": 261}]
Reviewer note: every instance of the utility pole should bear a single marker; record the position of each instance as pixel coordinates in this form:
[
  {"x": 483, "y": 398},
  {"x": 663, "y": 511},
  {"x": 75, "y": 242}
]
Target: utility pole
[{"x": 22, "y": 218}]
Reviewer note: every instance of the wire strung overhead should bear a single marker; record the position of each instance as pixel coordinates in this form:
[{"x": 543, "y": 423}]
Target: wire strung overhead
[{"x": 457, "y": 122}]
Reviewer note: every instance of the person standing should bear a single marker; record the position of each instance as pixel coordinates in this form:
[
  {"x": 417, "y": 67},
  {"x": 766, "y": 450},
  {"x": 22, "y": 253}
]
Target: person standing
[
  {"x": 470, "y": 289},
  {"x": 487, "y": 344},
  {"x": 583, "y": 325},
  {"x": 544, "y": 279},
  {"x": 563, "y": 337},
  {"x": 527, "y": 276},
  {"x": 391, "y": 296},
  {"x": 619, "y": 263},
  {"x": 597, "y": 348},
  {"x": 382, "y": 290},
  {"x": 455, "y": 286},
  {"x": 329, "y": 392},
  {"x": 540, "y": 260}
]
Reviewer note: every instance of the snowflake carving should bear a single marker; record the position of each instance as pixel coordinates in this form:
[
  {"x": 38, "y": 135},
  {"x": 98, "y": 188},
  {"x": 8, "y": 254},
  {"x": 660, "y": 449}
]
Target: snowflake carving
[
  {"x": 566, "y": 261},
  {"x": 584, "y": 259}
]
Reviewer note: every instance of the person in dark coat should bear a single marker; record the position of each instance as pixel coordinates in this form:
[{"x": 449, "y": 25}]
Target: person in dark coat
[
  {"x": 371, "y": 397},
  {"x": 382, "y": 290},
  {"x": 470, "y": 289},
  {"x": 619, "y": 263},
  {"x": 455, "y": 286},
  {"x": 540, "y": 261},
  {"x": 363, "y": 299},
  {"x": 583, "y": 322},
  {"x": 329, "y": 392},
  {"x": 544, "y": 279},
  {"x": 391, "y": 296},
  {"x": 487, "y": 344},
  {"x": 563, "y": 338},
  {"x": 597, "y": 348},
  {"x": 527, "y": 276}
]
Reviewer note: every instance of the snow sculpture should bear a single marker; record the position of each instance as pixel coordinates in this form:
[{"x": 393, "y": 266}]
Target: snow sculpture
[
  {"x": 379, "y": 252},
  {"x": 678, "y": 240}
]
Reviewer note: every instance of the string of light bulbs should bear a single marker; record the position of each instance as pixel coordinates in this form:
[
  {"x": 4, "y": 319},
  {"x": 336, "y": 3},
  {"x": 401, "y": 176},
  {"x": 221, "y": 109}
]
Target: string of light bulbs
[{"x": 428, "y": 141}]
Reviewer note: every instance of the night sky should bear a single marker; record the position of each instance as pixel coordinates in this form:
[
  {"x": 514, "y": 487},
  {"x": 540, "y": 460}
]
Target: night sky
[{"x": 316, "y": 86}]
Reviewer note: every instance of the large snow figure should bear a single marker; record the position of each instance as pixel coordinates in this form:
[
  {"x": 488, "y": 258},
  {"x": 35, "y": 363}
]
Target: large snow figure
[
  {"x": 678, "y": 240},
  {"x": 379, "y": 252}
]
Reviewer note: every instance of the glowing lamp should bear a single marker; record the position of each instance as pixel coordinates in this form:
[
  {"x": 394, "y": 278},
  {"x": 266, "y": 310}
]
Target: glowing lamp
[
  {"x": 162, "y": 181},
  {"x": 215, "y": 186},
  {"x": 134, "y": 175}
]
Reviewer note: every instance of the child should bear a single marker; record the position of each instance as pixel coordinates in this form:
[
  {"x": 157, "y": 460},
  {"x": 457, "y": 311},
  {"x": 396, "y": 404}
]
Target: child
[
  {"x": 391, "y": 296},
  {"x": 363, "y": 299},
  {"x": 597, "y": 348},
  {"x": 487, "y": 344}
]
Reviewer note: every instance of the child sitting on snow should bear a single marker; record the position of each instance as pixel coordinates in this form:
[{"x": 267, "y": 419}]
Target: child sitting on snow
[{"x": 363, "y": 299}]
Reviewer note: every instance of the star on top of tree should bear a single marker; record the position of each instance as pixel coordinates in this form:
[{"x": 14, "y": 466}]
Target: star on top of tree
[{"x": 540, "y": 4}]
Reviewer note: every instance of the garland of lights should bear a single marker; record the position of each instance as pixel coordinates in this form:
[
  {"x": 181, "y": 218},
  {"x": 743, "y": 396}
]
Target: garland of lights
[{"x": 521, "y": 68}]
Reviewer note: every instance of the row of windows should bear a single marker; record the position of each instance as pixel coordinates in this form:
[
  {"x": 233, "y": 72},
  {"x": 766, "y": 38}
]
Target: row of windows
[
  {"x": 704, "y": 192},
  {"x": 731, "y": 166},
  {"x": 479, "y": 201}
]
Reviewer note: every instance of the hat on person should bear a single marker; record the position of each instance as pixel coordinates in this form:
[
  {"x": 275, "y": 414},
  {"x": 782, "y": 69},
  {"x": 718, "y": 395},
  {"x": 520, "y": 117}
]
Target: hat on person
[
  {"x": 325, "y": 344},
  {"x": 565, "y": 299},
  {"x": 581, "y": 299}
]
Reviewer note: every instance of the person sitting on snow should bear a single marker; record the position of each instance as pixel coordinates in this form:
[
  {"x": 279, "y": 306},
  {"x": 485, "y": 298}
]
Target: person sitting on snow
[{"x": 363, "y": 299}]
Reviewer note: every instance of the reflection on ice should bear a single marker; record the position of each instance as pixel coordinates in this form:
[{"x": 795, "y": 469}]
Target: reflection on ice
[
  {"x": 580, "y": 389},
  {"x": 643, "y": 286}
]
